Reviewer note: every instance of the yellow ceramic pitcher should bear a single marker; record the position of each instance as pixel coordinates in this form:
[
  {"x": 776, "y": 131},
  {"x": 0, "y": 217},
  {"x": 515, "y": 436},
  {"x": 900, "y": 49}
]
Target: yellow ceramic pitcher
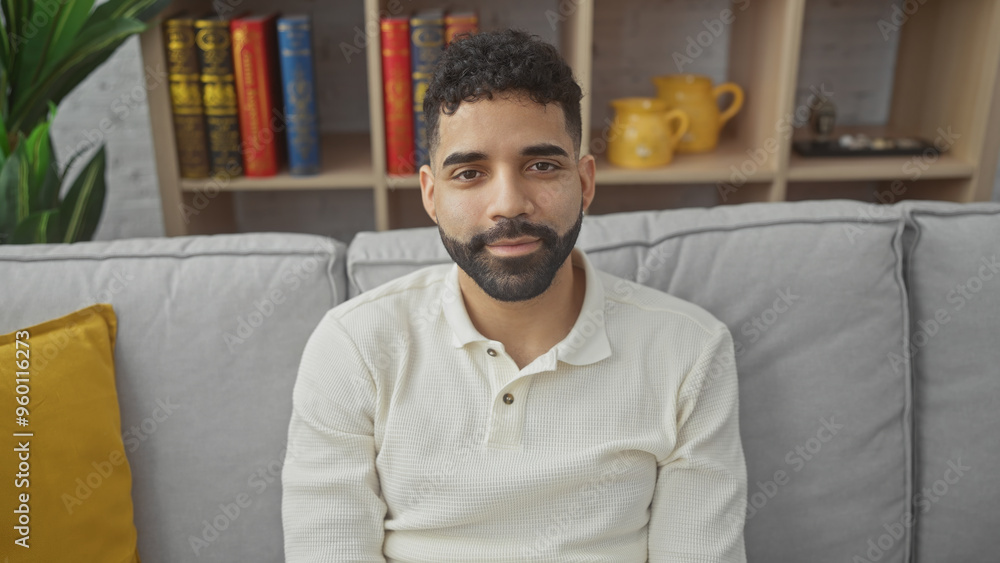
[
  {"x": 644, "y": 132},
  {"x": 694, "y": 94}
]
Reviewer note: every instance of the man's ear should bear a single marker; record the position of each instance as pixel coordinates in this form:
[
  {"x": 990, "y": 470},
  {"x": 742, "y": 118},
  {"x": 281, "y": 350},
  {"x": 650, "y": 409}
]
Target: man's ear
[
  {"x": 427, "y": 191},
  {"x": 587, "y": 167}
]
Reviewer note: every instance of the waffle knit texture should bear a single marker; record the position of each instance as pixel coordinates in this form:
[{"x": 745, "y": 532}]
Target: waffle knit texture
[{"x": 621, "y": 443}]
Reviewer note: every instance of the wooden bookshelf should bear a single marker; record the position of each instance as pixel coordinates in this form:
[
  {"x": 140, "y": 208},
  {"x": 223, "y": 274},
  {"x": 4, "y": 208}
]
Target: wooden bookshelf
[{"x": 946, "y": 76}]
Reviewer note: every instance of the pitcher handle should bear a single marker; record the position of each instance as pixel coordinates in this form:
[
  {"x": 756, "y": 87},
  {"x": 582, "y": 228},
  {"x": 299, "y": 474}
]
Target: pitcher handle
[
  {"x": 734, "y": 107},
  {"x": 680, "y": 117}
]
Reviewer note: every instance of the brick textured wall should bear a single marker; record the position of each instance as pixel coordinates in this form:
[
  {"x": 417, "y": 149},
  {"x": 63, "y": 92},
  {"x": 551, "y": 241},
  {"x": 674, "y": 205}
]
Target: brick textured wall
[{"x": 841, "y": 46}]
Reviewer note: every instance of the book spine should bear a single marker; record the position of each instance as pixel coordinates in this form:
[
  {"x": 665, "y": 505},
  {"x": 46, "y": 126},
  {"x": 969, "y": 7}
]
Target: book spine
[
  {"x": 426, "y": 44},
  {"x": 299, "y": 93},
  {"x": 185, "y": 98},
  {"x": 458, "y": 24},
  {"x": 397, "y": 96},
  {"x": 219, "y": 96},
  {"x": 255, "y": 84}
]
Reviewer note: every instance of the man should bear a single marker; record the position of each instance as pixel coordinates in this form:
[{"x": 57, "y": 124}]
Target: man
[{"x": 517, "y": 405}]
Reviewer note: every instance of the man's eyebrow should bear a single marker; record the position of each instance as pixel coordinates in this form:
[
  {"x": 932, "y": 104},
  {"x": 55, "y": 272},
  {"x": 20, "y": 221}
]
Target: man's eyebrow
[
  {"x": 544, "y": 149},
  {"x": 463, "y": 158}
]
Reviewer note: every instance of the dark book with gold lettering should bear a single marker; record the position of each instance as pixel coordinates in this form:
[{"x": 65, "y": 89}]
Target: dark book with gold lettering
[
  {"x": 258, "y": 90},
  {"x": 219, "y": 94},
  {"x": 426, "y": 45},
  {"x": 299, "y": 93},
  {"x": 184, "y": 77}
]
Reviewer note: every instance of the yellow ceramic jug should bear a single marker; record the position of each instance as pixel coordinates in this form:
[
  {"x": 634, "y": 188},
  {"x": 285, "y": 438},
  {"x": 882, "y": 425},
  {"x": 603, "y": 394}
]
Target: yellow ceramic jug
[
  {"x": 644, "y": 132},
  {"x": 695, "y": 95}
]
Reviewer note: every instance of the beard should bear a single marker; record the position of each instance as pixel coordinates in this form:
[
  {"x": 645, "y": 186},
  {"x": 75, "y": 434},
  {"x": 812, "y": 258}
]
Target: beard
[{"x": 513, "y": 278}]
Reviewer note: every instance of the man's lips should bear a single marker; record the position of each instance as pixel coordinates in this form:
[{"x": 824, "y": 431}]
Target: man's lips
[{"x": 512, "y": 247}]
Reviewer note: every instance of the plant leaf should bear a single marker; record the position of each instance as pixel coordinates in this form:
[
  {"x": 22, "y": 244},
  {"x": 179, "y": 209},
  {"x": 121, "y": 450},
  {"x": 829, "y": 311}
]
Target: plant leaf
[
  {"x": 99, "y": 40},
  {"x": 142, "y": 10},
  {"x": 14, "y": 190},
  {"x": 4, "y": 141},
  {"x": 80, "y": 211},
  {"x": 39, "y": 152},
  {"x": 54, "y": 26},
  {"x": 38, "y": 228}
]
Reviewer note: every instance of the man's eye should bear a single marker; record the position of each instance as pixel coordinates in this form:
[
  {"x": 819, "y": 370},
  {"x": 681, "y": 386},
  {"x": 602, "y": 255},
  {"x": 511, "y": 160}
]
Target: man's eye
[
  {"x": 467, "y": 175},
  {"x": 544, "y": 166}
]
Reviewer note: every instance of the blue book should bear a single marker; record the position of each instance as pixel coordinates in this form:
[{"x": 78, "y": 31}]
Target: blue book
[
  {"x": 299, "y": 93},
  {"x": 426, "y": 45}
]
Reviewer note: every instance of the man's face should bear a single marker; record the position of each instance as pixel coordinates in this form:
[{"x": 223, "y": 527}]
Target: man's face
[{"x": 507, "y": 193}]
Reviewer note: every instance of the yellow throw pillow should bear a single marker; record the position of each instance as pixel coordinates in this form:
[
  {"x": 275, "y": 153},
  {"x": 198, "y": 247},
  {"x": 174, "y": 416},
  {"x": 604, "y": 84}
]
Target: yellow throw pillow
[{"x": 65, "y": 484}]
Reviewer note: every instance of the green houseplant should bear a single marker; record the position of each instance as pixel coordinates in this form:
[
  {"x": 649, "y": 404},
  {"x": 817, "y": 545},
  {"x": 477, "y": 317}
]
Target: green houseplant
[{"x": 47, "y": 47}]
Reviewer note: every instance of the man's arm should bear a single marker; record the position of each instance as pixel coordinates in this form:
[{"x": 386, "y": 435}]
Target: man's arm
[
  {"x": 699, "y": 504},
  {"x": 331, "y": 505}
]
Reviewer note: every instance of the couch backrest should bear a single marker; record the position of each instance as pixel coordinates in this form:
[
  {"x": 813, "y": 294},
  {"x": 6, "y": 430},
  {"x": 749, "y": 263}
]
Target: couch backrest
[
  {"x": 210, "y": 334},
  {"x": 953, "y": 276},
  {"x": 814, "y": 295}
]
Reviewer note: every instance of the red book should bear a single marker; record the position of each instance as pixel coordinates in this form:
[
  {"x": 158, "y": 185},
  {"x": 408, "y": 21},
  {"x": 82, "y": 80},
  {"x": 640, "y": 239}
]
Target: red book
[
  {"x": 397, "y": 95},
  {"x": 456, "y": 23},
  {"x": 258, "y": 91}
]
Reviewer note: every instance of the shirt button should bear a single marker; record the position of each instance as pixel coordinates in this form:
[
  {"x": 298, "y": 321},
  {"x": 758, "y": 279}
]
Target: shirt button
[
  {"x": 491, "y": 352},
  {"x": 508, "y": 398}
]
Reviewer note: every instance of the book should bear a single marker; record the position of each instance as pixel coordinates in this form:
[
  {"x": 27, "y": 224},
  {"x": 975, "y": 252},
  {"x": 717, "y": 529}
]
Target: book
[
  {"x": 397, "y": 95},
  {"x": 426, "y": 45},
  {"x": 457, "y": 23},
  {"x": 299, "y": 94},
  {"x": 184, "y": 77},
  {"x": 255, "y": 68},
  {"x": 219, "y": 95}
]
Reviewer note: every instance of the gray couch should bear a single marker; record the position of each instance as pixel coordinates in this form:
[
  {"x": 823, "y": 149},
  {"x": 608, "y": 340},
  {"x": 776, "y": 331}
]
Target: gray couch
[{"x": 867, "y": 341}]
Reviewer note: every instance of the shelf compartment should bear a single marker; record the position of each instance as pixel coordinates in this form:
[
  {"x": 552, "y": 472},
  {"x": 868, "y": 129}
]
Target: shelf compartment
[
  {"x": 884, "y": 191},
  {"x": 715, "y": 166},
  {"x": 911, "y": 168},
  {"x": 805, "y": 169},
  {"x": 347, "y": 163}
]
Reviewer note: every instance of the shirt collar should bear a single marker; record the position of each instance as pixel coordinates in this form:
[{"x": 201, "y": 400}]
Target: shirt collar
[{"x": 586, "y": 343}]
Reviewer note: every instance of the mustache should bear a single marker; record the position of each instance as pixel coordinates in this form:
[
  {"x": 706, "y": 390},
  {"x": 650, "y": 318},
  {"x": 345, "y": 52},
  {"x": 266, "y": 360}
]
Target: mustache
[{"x": 513, "y": 228}]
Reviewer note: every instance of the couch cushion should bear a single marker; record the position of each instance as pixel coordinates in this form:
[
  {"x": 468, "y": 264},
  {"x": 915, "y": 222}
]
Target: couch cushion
[
  {"x": 812, "y": 293},
  {"x": 211, "y": 330},
  {"x": 954, "y": 279},
  {"x": 72, "y": 484}
]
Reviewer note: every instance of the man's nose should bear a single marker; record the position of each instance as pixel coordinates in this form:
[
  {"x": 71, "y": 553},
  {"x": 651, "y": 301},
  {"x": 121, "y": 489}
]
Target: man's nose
[{"x": 510, "y": 195}]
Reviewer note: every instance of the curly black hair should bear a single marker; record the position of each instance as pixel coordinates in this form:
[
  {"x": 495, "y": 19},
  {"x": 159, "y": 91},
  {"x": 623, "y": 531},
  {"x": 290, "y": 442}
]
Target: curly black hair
[{"x": 480, "y": 66}]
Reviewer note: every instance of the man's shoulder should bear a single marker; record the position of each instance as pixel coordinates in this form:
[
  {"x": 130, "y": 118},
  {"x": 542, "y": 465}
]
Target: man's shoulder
[
  {"x": 640, "y": 301},
  {"x": 396, "y": 295}
]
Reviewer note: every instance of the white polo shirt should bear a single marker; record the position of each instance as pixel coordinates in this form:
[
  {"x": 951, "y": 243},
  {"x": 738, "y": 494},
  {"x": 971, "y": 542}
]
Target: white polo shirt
[{"x": 414, "y": 438}]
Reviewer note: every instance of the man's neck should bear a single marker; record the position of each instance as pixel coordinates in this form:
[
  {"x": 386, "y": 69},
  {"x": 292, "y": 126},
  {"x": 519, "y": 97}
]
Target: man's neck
[{"x": 530, "y": 328}]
